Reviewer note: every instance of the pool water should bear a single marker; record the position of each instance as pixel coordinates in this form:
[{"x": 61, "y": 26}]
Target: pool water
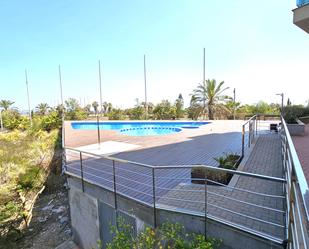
[{"x": 145, "y": 128}]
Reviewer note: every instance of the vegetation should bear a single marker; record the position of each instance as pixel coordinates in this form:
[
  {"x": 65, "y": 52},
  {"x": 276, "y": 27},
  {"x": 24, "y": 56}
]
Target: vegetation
[
  {"x": 6, "y": 104},
  {"x": 210, "y": 96},
  {"x": 227, "y": 161},
  {"x": 42, "y": 109},
  {"x": 167, "y": 236},
  {"x": 23, "y": 172},
  {"x": 95, "y": 106},
  {"x": 136, "y": 113},
  {"x": 179, "y": 106},
  {"x": 116, "y": 114},
  {"x": 27, "y": 156},
  {"x": 164, "y": 110},
  {"x": 73, "y": 110},
  {"x": 293, "y": 112}
]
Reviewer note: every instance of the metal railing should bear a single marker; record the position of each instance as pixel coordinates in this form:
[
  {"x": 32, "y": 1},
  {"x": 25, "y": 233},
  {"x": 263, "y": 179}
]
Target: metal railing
[
  {"x": 170, "y": 188},
  {"x": 255, "y": 125},
  {"x": 271, "y": 207},
  {"x": 297, "y": 194},
  {"x": 301, "y": 3}
]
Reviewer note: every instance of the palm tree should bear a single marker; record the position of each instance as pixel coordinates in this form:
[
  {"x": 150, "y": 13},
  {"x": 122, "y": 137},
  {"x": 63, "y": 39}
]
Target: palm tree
[
  {"x": 209, "y": 94},
  {"x": 95, "y": 107},
  {"x": 42, "y": 109},
  {"x": 6, "y": 104},
  {"x": 107, "y": 107}
]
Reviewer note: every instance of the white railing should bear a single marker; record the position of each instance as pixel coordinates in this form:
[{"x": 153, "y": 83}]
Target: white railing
[{"x": 297, "y": 194}]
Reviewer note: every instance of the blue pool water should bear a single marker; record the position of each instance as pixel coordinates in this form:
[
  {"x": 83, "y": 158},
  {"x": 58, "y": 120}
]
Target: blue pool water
[{"x": 145, "y": 128}]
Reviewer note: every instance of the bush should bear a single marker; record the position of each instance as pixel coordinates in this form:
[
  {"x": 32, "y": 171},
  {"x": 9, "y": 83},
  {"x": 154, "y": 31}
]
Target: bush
[
  {"x": 167, "y": 236},
  {"x": 50, "y": 122},
  {"x": 136, "y": 113},
  {"x": 164, "y": 110},
  {"x": 227, "y": 161},
  {"x": 30, "y": 179},
  {"x": 11, "y": 119},
  {"x": 293, "y": 112},
  {"x": 116, "y": 114},
  {"x": 8, "y": 210}
]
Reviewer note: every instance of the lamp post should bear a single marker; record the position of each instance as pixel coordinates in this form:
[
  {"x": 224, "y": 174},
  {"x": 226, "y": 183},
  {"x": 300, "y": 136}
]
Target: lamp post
[{"x": 282, "y": 99}]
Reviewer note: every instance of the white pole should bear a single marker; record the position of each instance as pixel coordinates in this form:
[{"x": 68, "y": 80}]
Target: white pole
[
  {"x": 1, "y": 121},
  {"x": 62, "y": 108},
  {"x": 100, "y": 81},
  {"x": 234, "y": 103},
  {"x": 204, "y": 65},
  {"x": 60, "y": 82},
  {"x": 29, "y": 108},
  {"x": 204, "y": 101},
  {"x": 145, "y": 82}
]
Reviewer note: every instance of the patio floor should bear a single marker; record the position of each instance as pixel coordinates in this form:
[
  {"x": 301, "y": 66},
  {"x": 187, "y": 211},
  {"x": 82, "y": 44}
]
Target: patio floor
[
  {"x": 258, "y": 208},
  {"x": 302, "y": 147}
]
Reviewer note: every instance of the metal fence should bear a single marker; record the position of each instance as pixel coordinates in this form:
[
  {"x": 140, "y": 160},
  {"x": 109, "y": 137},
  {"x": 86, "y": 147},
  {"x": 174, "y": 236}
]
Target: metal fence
[
  {"x": 297, "y": 194},
  {"x": 256, "y": 125},
  {"x": 243, "y": 205}
]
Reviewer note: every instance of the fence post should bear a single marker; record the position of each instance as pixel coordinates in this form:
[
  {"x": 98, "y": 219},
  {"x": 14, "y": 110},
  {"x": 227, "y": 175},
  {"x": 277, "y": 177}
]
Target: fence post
[
  {"x": 256, "y": 125},
  {"x": 81, "y": 170},
  {"x": 249, "y": 136},
  {"x": 243, "y": 141},
  {"x": 154, "y": 198},
  {"x": 205, "y": 200},
  {"x": 98, "y": 127},
  {"x": 115, "y": 193}
]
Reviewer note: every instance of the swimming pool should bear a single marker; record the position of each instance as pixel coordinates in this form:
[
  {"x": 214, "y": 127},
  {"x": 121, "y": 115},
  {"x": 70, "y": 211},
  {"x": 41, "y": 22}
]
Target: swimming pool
[{"x": 144, "y": 128}]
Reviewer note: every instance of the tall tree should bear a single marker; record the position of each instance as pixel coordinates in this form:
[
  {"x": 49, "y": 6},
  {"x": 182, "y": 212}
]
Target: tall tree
[
  {"x": 42, "y": 109},
  {"x": 179, "y": 106},
  {"x": 209, "y": 95},
  {"x": 6, "y": 104},
  {"x": 107, "y": 107},
  {"x": 95, "y": 106}
]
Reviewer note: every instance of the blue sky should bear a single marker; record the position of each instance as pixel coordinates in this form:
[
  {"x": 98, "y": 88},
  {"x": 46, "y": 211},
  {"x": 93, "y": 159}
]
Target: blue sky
[{"x": 251, "y": 45}]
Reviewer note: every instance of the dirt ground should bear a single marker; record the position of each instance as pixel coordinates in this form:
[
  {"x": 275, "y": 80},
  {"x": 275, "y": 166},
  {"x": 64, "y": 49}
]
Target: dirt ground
[{"x": 50, "y": 223}]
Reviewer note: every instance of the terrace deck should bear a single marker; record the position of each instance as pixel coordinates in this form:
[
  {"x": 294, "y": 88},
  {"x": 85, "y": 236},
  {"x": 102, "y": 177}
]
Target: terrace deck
[{"x": 173, "y": 188}]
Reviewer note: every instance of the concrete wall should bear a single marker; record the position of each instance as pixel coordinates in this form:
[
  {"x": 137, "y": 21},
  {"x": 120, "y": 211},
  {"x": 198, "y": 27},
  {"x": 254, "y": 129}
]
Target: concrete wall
[
  {"x": 86, "y": 229},
  {"x": 297, "y": 129},
  {"x": 84, "y": 218},
  {"x": 301, "y": 17}
]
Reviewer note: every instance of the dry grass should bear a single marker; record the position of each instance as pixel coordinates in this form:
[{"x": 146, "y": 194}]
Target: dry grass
[{"x": 24, "y": 166}]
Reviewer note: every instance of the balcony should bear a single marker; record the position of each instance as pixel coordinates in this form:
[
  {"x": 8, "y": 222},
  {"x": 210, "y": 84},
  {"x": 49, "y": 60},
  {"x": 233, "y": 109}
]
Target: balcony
[{"x": 301, "y": 15}]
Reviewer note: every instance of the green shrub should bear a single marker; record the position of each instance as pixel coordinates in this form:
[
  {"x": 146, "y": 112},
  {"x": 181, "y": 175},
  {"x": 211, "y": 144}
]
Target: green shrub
[
  {"x": 30, "y": 179},
  {"x": 164, "y": 110},
  {"x": 136, "y": 113},
  {"x": 227, "y": 161},
  {"x": 116, "y": 114},
  {"x": 169, "y": 235},
  {"x": 51, "y": 121},
  {"x": 291, "y": 113},
  {"x": 9, "y": 209},
  {"x": 11, "y": 119}
]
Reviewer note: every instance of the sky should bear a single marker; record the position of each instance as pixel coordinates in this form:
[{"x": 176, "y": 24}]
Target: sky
[{"x": 252, "y": 46}]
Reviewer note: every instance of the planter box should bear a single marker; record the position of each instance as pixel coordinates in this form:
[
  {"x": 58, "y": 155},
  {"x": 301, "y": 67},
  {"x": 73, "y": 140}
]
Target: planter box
[
  {"x": 297, "y": 129},
  {"x": 305, "y": 120}
]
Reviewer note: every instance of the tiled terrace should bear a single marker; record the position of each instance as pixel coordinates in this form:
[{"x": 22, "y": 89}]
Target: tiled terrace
[
  {"x": 302, "y": 147},
  {"x": 254, "y": 204}
]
